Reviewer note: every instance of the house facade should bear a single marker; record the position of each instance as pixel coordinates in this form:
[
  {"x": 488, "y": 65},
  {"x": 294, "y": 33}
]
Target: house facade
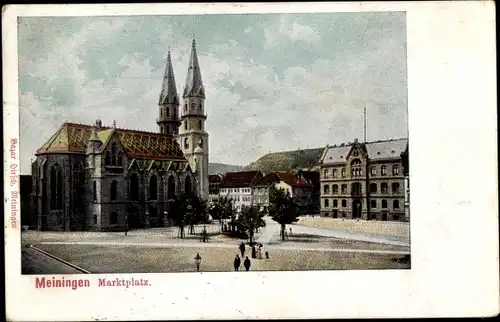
[
  {"x": 214, "y": 181},
  {"x": 238, "y": 186},
  {"x": 364, "y": 180},
  {"x": 293, "y": 185}
]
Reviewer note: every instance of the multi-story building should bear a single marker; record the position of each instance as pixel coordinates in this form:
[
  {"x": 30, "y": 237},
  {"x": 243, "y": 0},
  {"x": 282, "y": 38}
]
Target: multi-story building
[
  {"x": 238, "y": 187},
  {"x": 312, "y": 177},
  {"x": 107, "y": 178},
  {"x": 364, "y": 180},
  {"x": 289, "y": 182},
  {"x": 214, "y": 181}
]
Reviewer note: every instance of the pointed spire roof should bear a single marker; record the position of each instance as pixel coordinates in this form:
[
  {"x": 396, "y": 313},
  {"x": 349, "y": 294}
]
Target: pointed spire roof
[
  {"x": 194, "y": 85},
  {"x": 168, "y": 94}
]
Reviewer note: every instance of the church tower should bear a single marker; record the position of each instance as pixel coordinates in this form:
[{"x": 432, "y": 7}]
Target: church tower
[
  {"x": 168, "y": 115},
  {"x": 192, "y": 136}
]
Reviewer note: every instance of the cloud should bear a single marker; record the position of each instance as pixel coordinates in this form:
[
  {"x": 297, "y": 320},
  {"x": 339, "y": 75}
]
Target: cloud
[
  {"x": 273, "y": 84},
  {"x": 291, "y": 30}
]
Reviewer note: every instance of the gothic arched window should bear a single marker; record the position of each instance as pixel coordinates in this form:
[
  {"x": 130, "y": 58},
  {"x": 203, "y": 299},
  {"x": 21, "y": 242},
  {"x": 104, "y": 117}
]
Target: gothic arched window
[
  {"x": 200, "y": 125},
  {"x": 193, "y": 107},
  {"x": 119, "y": 159},
  {"x": 113, "y": 153},
  {"x": 187, "y": 185},
  {"x": 78, "y": 185},
  {"x": 186, "y": 143},
  {"x": 134, "y": 187},
  {"x": 94, "y": 191},
  {"x": 153, "y": 188},
  {"x": 107, "y": 158},
  {"x": 171, "y": 187},
  {"x": 114, "y": 190},
  {"x": 56, "y": 184},
  {"x": 168, "y": 111},
  {"x": 201, "y": 107}
]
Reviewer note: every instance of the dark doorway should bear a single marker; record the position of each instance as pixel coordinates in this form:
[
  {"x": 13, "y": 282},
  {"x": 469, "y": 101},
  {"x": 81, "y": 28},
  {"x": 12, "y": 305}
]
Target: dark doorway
[
  {"x": 135, "y": 219},
  {"x": 356, "y": 209},
  {"x": 384, "y": 216},
  {"x": 335, "y": 214}
]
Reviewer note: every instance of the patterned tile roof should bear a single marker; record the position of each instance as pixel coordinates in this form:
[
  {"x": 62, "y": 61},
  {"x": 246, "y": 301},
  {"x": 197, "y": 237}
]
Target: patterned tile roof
[
  {"x": 240, "y": 179},
  {"x": 73, "y": 138},
  {"x": 378, "y": 150}
]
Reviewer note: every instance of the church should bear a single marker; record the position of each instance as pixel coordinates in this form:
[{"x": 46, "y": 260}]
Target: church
[{"x": 97, "y": 177}]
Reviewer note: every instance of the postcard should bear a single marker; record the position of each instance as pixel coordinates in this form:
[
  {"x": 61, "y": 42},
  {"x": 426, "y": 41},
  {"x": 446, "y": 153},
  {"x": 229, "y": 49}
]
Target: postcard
[{"x": 238, "y": 161}]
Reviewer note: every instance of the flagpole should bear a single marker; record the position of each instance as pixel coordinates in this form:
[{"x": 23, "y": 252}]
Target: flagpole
[{"x": 364, "y": 124}]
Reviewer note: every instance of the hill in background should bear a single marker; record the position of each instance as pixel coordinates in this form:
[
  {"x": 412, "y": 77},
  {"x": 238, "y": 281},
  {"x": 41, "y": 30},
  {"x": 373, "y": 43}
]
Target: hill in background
[
  {"x": 306, "y": 159},
  {"x": 214, "y": 168}
]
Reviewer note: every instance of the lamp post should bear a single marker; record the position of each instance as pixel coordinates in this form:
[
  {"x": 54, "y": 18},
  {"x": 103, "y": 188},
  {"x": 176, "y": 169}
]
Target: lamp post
[
  {"x": 126, "y": 224},
  {"x": 197, "y": 261}
]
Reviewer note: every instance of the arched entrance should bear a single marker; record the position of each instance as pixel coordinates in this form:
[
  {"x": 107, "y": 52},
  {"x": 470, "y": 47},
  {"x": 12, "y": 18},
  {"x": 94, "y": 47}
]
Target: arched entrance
[
  {"x": 384, "y": 216},
  {"x": 356, "y": 209}
]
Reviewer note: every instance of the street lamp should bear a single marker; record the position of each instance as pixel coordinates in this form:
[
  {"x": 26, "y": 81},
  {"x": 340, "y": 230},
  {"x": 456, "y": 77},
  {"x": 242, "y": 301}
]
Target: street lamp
[
  {"x": 197, "y": 261},
  {"x": 126, "y": 224}
]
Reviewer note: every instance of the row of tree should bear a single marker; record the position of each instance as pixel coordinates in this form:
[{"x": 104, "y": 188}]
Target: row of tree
[{"x": 189, "y": 210}]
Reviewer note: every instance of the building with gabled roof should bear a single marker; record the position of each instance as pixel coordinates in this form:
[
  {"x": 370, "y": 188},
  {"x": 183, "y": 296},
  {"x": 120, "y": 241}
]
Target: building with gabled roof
[
  {"x": 238, "y": 187},
  {"x": 365, "y": 180},
  {"x": 95, "y": 177},
  {"x": 292, "y": 184}
]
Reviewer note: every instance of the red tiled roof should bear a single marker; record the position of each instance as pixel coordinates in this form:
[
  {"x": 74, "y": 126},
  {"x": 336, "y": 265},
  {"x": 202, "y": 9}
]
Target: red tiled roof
[
  {"x": 291, "y": 179},
  {"x": 288, "y": 178},
  {"x": 241, "y": 179}
]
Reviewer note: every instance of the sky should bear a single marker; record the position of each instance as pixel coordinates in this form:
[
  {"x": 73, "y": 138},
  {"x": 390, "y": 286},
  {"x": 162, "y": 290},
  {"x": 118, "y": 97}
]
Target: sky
[{"x": 273, "y": 82}]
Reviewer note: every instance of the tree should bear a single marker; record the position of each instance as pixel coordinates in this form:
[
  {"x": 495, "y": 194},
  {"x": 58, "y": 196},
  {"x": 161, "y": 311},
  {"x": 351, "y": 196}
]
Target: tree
[
  {"x": 196, "y": 211},
  {"x": 250, "y": 219},
  {"x": 188, "y": 210},
  {"x": 177, "y": 212},
  {"x": 283, "y": 209},
  {"x": 221, "y": 209}
]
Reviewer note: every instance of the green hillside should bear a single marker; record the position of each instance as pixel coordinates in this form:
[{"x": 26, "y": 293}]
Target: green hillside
[
  {"x": 288, "y": 161},
  {"x": 214, "y": 168}
]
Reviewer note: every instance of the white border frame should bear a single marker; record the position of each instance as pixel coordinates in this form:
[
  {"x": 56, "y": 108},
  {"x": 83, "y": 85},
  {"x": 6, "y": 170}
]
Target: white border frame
[{"x": 453, "y": 157}]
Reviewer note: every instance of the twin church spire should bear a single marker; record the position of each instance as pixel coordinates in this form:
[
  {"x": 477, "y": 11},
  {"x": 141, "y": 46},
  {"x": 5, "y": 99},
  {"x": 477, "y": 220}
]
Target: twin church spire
[
  {"x": 186, "y": 120},
  {"x": 169, "y": 102},
  {"x": 194, "y": 83}
]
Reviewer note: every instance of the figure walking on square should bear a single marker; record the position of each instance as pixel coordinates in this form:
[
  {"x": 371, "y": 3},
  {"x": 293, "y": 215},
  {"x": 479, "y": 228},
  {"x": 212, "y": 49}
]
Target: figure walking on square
[
  {"x": 237, "y": 262},
  {"x": 242, "y": 249},
  {"x": 259, "y": 252},
  {"x": 290, "y": 231},
  {"x": 247, "y": 264}
]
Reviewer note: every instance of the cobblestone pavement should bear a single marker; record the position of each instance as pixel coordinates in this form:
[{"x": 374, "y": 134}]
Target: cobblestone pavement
[{"x": 34, "y": 262}]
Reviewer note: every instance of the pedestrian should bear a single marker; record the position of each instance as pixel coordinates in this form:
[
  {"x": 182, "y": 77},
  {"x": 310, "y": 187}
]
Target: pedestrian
[
  {"x": 290, "y": 231},
  {"x": 237, "y": 262},
  {"x": 267, "y": 255},
  {"x": 247, "y": 264},
  {"x": 242, "y": 249},
  {"x": 259, "y": 252}
]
